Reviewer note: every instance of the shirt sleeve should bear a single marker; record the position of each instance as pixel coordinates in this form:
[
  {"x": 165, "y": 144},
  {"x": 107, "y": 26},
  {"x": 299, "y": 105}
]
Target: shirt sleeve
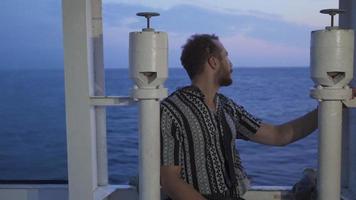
[
  {"x": 170, "y": 141},
  {"x": 246, "y": 124}
]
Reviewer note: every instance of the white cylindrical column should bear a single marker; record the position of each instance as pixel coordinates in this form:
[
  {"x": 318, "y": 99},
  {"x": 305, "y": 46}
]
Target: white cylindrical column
[
  {"x": 329, "y": 173},
  {"x": 148, "y": 67},
  {"x": 149, "y": 150},
  {"x": 331, "y": 62}
]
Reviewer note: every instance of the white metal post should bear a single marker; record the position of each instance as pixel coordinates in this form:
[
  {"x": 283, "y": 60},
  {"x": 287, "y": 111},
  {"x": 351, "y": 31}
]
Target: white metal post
[
  {"x": 149, "y": 150},
  {"x": 80, "y": 115},
  {"x": 148, "y": 66},
  {"x": 330, "y": 126},
  {"x": 99, "y": 90},
  {"x": 331, "y": 69}
]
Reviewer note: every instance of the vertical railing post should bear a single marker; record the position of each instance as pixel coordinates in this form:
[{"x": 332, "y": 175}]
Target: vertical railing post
[
  {"x": 329, "y": 172},
  {"x": 149, "y": 151},
  {"x": 80, "y": 61},
  {"x": 99, "y": 90}
]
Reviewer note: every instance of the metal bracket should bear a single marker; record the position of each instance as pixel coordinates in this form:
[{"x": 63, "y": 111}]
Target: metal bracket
[
  {"x": 111, "y": 101},
  {"x": 350, "y": 103},
  {"x": 331, "y": 94},
  {"x": 147, "y": 93}
]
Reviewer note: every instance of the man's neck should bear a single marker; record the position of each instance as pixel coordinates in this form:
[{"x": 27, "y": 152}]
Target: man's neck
[{"x": 209, "y": 90}]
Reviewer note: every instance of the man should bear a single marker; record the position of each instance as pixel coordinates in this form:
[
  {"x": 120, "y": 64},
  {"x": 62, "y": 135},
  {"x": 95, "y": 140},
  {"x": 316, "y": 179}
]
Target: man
[{"x": 199, "y": 127}]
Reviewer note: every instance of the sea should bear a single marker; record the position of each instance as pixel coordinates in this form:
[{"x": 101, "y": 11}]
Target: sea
[{"x": 33, "y": 128}]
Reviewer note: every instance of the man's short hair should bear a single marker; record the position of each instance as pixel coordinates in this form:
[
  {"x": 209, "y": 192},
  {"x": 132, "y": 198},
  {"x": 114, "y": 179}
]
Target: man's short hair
[{"x": 196, "y": 52}]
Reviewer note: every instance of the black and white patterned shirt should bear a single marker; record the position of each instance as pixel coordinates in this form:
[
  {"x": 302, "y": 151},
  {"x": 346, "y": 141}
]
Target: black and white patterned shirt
[{"x": 202, "y": 142}]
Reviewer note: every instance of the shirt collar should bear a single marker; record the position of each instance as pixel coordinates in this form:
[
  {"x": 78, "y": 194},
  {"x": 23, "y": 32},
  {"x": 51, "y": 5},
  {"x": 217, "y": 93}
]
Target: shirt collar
[{"x": 195, "y": 91}]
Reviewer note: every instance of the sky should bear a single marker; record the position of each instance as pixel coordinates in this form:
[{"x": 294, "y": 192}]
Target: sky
[{"x": 256, "y": 33}]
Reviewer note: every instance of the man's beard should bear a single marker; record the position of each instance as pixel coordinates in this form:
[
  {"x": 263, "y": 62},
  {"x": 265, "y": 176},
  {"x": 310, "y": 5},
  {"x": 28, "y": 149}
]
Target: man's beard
[{"x": 225, "y": 79}]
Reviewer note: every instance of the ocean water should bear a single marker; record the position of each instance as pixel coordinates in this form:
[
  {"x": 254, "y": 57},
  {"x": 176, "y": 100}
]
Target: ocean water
[{"x": 32, "y": 127}]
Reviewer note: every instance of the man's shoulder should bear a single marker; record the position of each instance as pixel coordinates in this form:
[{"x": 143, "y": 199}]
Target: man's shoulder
[
  {"x": 178, "y": 92},
  {"x": 170, "y": 105},
  {"x": 170, "y": 97},
  {"x": 172, "y": 100}
]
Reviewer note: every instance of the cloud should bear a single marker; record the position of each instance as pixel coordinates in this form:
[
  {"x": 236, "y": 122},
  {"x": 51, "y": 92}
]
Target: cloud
[
  {"x": 248, "y": 51},
  {"x": 304, "y": 12},
  {"x": 34, "y": 36},
  {"x": 198, "y": 20},
  {"x": 253, "y": 41},
  {"x": 128, "y": 21}
]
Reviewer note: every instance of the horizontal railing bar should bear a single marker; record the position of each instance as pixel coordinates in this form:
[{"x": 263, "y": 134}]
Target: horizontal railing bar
[
  {"x": 10, "y": 182},
  {"x": 112, "y": 100}
]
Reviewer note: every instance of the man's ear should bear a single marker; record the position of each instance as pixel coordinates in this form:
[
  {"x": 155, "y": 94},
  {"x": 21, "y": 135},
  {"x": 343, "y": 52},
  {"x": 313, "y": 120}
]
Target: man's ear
[{"x": 212, "y": 62}]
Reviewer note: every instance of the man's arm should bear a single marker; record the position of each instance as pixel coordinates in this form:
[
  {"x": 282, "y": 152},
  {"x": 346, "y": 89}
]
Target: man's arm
[
  {"x": 175, "y": 187},
  {"x": 287, "y": 133}
]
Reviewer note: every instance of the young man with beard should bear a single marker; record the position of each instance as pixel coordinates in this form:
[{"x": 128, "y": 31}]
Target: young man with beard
[{"x": 199, "y": 127}]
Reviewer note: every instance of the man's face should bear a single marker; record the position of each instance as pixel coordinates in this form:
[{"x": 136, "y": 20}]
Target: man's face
[{"x": 223, "y": 75}]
